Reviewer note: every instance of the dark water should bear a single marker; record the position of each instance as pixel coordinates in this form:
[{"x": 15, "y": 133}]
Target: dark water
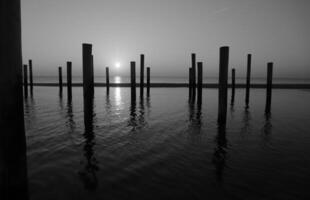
[{"x": 162, "y": 148}]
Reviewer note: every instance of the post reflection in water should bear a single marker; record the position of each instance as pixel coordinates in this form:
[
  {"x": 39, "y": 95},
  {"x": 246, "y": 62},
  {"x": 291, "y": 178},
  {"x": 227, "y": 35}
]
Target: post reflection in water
[
  {"x": 137, "y": 116},
  {"x": 70, "y": 123},
  {"x": 141, "y": 118},
  {"x": 219, "y": 156},
  {"x": 195, "y": 115},
  {"x": 246, "y": 129},
  {"x": 133, "y": 115},
  {"x": 88, "y": 174},
  {"x": 267, "y": 128},
  {"x": 267, "y": 125}
]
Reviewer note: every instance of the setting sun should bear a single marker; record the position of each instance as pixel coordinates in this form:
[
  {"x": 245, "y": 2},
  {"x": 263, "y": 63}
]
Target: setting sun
[{"x": 117, "y": 64}]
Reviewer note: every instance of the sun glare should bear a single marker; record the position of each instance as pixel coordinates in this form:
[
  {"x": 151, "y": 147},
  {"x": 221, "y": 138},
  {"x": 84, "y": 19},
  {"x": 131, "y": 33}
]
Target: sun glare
[{"x": 117, "y": 64}]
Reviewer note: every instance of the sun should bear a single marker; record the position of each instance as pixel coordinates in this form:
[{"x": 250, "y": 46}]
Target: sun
[{"x": 117, "y": 64}]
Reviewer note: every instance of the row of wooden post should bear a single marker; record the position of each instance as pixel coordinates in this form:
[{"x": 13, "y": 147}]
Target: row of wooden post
[
  {"x": 223, "y": 83},
  {"x": 88, "y": 80},
  {"x": 69, "y": 80},
  {"x": 133, "y": 78}
]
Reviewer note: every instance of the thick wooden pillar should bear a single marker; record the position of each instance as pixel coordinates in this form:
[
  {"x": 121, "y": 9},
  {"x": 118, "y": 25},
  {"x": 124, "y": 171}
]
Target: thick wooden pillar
[
  {"x": 88, "y": 85},
  {"x": 193, "y": 78},
  {"x": 69, "y": 80},
  {"x": 60, "y": 80},
  {"x": 13, "y": 160},
  {"x": 233, "y": 86},
  {"x": 30, "y": 76},
  {"x": 133, "y": 80},
  {"x": 148, "y": 81},
  {"x": 141, "y": 75},
  {"x": 269, "y": 87},
  {"x": 199, "y": 82},
  {"x": 248, "y": 81},
  {"x": 107, "y": 76},
  {"x": 223, "y": 76}
]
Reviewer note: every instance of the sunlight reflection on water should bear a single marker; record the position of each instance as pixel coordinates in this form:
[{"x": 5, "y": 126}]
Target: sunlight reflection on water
[{"x": 117, "y": 79}]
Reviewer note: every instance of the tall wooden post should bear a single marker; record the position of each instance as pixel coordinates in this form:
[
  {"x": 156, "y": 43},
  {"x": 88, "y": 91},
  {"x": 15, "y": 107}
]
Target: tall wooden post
[
  {"x": 148, "y": 81},
  {"x": 92, "y": 74},
  {"x": 88, "y": 86},
  {"x": 193, "y": 77},
  {"x": 25, "y": 81},
  {"x": 133, "y": 80},
  {"x": 248, "y": 81},
  {"x": 107, "y": 77},
  {"x": 223, "y": 76},
  {"x": 141, "y": 74},
  {"x": 199, "y": 81},
  {"x": 60, "y": 79},
  {"x": 30, "y": 76},
  {"x": 69, "y": 80},
  {"x": 13, "y": 160},
  {"x": 190, "y": 84},
  {"x": 233, "y": 86},
  {"x": 269, "y": 87}
]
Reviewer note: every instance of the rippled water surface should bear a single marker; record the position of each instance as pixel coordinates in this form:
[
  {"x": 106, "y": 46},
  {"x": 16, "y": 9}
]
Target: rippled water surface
[{"x": 162, "y": 147}]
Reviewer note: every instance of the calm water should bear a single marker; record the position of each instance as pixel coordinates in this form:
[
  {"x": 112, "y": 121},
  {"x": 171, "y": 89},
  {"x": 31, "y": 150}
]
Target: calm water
[
  {"x": 163, "y": 148},
  {"x": 157, "y": 79}
]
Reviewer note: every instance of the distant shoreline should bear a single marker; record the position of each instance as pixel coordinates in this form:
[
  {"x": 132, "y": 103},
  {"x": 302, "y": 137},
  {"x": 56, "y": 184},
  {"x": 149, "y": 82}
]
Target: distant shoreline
[{"x": 180, "y": 85}]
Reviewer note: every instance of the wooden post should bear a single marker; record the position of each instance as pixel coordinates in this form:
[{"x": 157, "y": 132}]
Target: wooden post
[
  {"x": 223, "y": 76},
  {"x": 148, "y": 80},
  {"x": 88, "y": 86},
  {"x": 141, "y": 75},
  {"x": 13, "y": 160},
  {"x": 133, "y": 80},
  {"x": 248, "y": 81},
  {"x": 107, "y": 79},
  {"x": 199, "y": 85},
  {"x": 30, "y": 76},
  {"x": 193, "y": 78},
  {"x": 60, "y": 79},
  {"x": 269, "y": 87},
  {"x": 233, "y": 86},
  {"x": 92, "y": 74},
  {"x": 190, "y": 84},
  {"x": 69, "y": 80},
  {"x": 25, "y": 81}
]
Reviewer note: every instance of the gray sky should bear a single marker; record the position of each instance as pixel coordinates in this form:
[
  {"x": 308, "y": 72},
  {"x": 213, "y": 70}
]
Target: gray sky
[{"x": 167, "y": 31}]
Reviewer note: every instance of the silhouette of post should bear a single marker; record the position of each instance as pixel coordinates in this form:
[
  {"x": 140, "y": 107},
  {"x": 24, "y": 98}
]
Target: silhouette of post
[
  {"x": 269, "y": 87},
  {"x": 248, "y": 81},
  {"x": 193, "y": 77},
  {"x": 107, "y": 79},
  {"x": 30, "y": 76},
  {"x": 148, "y": 81},
  {"x": 223, "y": 76},
  {"x": 13, "y": 160},
  {"x": 60, "y": 79},
  {"x": 190, "y": 84},
  {"x": 133, "y": 80},
  {"x": 141, "y": 74},
  {"x": 92, "y": 74},
  {"x": 25, "y": 81},
  {"x": 233, "y": 86},
  {"x": 69, "y": 80},
  {"x": 199, "y": 82},
  {"x": 88, "y": 85}
]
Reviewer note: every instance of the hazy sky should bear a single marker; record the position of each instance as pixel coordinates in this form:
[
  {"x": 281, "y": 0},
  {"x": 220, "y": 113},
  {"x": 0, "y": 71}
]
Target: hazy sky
[{"x": 167, "y": 32}]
